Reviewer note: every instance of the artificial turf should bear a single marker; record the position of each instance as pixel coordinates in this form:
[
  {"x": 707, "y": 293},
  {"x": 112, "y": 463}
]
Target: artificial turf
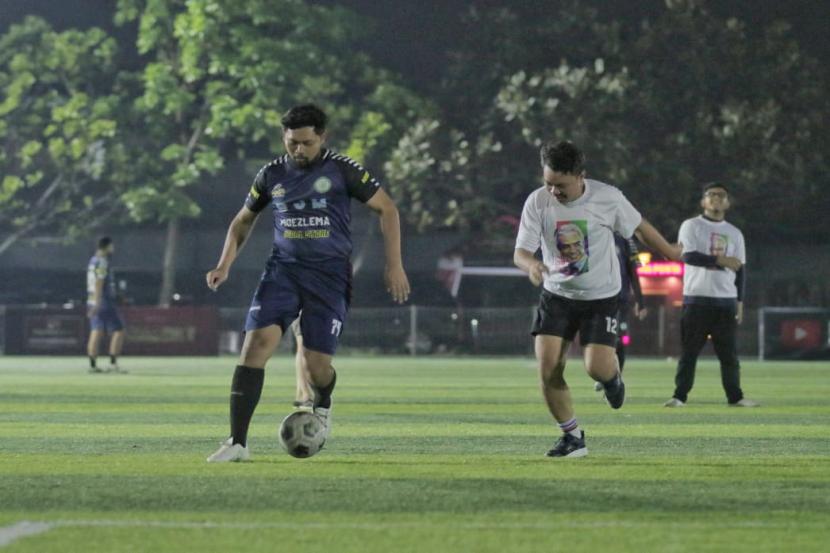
[{"x": 426, "y": 454}]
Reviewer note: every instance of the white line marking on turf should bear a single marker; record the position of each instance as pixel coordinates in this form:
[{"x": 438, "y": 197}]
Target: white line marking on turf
[
  {"x": 23, "y": 529},
  {"x": 9, "y": 534}
]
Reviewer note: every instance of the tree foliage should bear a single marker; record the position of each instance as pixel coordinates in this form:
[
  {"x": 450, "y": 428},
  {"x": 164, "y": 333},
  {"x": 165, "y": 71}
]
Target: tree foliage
[
  {"x": 659, "y": 107},
  {"x": 221, "y": 72},
  {"x": 61, "y": 161}
]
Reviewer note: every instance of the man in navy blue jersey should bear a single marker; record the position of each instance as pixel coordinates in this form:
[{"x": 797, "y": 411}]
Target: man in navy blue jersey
[
  {"x": 627, "y": 254},
  {"x": 309, "y": 191}
]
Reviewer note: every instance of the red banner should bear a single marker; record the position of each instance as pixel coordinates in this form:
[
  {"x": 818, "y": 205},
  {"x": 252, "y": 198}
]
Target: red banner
[
  {"x": 187, "y": 330},
  {"x": 47, "y": 330}
]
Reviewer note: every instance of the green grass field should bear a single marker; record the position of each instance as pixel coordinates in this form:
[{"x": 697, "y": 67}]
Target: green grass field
[{"x": 426, "y": 455}]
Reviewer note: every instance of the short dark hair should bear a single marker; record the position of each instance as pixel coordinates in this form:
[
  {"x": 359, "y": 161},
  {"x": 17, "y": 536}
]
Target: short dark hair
[
  {"x": 104, "y": 242},
  {"x": 305, "y": 115},
  {"x": 563, "y": 157},
  {"x": 714, "y": 184}
]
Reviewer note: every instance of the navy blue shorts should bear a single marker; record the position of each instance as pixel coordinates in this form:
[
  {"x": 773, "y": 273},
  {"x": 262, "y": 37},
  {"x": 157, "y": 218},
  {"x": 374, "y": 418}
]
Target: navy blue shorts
[
  {"x": 323, "y": 297},
  {"x": 107, "y": 319}
]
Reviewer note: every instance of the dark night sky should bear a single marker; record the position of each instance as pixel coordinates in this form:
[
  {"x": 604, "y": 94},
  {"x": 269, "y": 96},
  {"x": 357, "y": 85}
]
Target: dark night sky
[{"x": 412, "y": 36}]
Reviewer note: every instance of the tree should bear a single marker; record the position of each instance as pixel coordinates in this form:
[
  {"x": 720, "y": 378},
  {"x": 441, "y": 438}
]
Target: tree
[
  {"x": 473, "y": 165},
  {"x": 716, "y": 99},
  {"x": 439, "y": 175},
  {"x": 62, "y": 165},
  {"x": 220, "y": 73},
  {"x": 660, "y": 106}
]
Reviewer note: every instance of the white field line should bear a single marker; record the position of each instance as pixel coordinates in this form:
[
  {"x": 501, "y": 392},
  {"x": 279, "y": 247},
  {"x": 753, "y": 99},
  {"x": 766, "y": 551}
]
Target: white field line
[{"x": 9, "y": 534}]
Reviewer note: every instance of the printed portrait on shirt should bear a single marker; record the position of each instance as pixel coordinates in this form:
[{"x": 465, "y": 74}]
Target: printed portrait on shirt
[
  {"x": 718, "y": 244},
  {"x": 572, "y": 247}
]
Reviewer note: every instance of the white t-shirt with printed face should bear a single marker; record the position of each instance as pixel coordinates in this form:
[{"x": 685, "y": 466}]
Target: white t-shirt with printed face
[
  {"x": 701, "y": 235},
  {"x": 577, "y": 239}
]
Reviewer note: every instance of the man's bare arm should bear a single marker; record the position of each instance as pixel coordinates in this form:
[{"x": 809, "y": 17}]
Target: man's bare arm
[
  {"x": 527, "y": 262},
  {"x": 238, "y": 232},
  {"x": 397, "y": 283},
  {"x": 653, "y": 240}
]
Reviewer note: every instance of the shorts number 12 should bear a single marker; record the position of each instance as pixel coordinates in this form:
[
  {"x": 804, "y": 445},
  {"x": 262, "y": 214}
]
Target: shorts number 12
[{"x": 611, "y": 325}]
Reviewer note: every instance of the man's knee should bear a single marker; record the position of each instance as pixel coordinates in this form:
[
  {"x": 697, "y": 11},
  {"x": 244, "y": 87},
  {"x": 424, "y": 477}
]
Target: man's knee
[
  {"x": 258, "y": 346},
  {"x": 316, "y": 360},
  {"x": 258, "y": 343},
  {"x": 553, "y": 375}
]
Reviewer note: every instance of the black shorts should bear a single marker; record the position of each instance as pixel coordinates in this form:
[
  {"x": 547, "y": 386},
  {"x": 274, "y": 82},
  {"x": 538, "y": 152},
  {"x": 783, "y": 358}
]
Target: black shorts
[{"x": 595, "y": 320}]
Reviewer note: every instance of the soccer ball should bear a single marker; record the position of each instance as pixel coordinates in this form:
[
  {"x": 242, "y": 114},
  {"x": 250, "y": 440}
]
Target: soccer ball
[{"x": 302, "y": 434}]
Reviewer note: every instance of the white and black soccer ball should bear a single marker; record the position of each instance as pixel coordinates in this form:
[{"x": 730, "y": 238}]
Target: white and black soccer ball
[{"x": 302, "y": 434}]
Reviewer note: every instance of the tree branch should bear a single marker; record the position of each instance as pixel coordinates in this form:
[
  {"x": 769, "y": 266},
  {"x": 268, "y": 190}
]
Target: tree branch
[{"x": 48, "y": 192}]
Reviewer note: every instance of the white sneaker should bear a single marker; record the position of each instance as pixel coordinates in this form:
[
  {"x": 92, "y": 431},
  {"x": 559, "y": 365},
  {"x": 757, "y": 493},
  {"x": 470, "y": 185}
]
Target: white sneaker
[
  {"x": 674, "y": 402},
  {"x": 598, "y": 386},
  {"x": 325, "y": 417},
  {"x": 745, "y": 403},
  {"x": 114, "y": 368},
  {"x": 230, "y": 452}
]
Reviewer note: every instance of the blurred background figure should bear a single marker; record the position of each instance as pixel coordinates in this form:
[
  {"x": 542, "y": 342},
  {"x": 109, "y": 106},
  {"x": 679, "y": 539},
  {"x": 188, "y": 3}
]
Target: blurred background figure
[
  {"x": 627, "y": 254},
  {"x": 101, "y": 307}
]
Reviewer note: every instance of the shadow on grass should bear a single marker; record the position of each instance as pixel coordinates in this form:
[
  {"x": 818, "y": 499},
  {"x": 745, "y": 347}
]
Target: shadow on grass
[{"x": 636, "y": 447}]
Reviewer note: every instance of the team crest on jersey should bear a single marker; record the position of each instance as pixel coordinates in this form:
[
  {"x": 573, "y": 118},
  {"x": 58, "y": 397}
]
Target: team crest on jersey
[
  {"x": 278, "y": 191},
  {"x": 322, "y": 185}
]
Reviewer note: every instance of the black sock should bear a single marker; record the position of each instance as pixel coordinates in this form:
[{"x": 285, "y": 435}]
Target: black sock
[
  {"x": 113, "y": 359},
  {"x": 246, "y": 387},
  {"x": 322, "y": 396},
  {"x": 91, "y": 362},
  {"x": 614, "y": 383}
]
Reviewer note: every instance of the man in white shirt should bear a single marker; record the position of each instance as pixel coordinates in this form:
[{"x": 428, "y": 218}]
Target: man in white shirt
[
  {"x": 713, "y": 290},
  {"x": 580, "y": 282}
]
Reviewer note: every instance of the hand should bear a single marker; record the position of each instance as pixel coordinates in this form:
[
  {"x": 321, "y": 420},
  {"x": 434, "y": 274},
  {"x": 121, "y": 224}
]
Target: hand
[
  {"x": 537, "y": 273},
  {"x": 640, "y": 312},
  {"x": 92, "y": 310},
  {"x": 739, "y": 314},
  {"x": 216, "y": 277},
  {"x": 732, "y": 263},
  {"x": 396, "y": 283}
]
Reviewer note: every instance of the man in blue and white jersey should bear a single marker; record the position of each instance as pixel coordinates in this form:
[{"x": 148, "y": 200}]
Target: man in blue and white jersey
[{"x": 101, "y": 307}]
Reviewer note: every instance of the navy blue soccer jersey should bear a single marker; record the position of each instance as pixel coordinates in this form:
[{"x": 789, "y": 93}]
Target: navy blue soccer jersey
[
  {"x": 311, "y": 205},
  {"x": 627, "y": 253}
]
